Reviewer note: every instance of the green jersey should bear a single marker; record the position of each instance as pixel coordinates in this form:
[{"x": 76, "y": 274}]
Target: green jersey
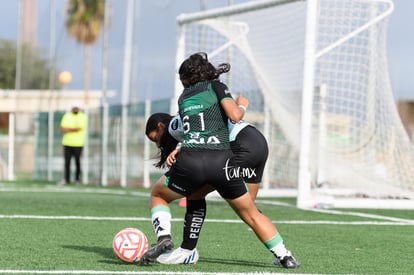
[{"x": 204, "y": 120}]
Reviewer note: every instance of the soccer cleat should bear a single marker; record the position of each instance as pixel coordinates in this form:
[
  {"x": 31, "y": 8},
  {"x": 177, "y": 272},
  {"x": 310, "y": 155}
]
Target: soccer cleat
[
  {"x": 179, "y": 256},
  {"x": 276, "y": 262},
  {"x": 152, "y": 254},
  {"x": 289, "y": 262}
]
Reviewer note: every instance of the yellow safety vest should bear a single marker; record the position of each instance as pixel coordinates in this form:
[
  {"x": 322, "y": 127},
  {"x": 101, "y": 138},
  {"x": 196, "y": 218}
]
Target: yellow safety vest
[{"x": 71, "y": 120}]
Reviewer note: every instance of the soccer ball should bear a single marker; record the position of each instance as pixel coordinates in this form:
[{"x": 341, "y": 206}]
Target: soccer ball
[{"x": 129, "y": 245}]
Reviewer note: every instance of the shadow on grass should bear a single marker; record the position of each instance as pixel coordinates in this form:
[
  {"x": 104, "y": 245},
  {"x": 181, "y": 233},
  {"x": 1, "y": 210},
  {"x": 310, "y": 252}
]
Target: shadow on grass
[
  {"x": 103, "y": 251},
  {"x": 235, "y": 262},
  {"x": 111, "y": 259}
]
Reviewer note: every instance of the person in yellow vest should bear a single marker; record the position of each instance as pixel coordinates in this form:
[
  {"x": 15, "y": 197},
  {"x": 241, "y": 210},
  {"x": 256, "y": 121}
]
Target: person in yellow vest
[{"x": 73, "y": 126}]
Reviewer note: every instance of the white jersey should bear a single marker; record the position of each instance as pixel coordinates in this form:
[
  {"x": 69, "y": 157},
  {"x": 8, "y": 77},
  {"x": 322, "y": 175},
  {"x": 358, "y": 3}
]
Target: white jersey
[
  {"x": 175, "y": 128},
  {"x": 235, "y": 128}
]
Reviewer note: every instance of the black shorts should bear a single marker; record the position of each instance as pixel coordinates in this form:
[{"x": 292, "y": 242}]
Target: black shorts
[
  {"x": 195, "y": 168},
  {"x": 251, "y": 151}
]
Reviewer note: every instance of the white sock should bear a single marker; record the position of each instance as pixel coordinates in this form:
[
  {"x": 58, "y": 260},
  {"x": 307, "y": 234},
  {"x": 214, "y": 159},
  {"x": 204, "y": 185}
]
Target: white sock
[
  {"x": 277, "y": 247},
  {"x": 280, "y": 250},
  {"x": 161, "y": 220}
]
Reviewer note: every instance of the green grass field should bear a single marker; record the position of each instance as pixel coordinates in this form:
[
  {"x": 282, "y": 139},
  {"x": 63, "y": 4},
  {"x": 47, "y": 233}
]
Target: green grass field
[{"x": 49, "y": 229}]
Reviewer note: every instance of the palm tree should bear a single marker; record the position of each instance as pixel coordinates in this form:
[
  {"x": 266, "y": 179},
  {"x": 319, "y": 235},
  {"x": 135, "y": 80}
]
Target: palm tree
[{"x": 84, "y": 23}]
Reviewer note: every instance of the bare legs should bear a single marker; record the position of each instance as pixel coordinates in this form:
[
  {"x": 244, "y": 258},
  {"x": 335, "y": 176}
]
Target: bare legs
[{"x": 259, "y": 223}]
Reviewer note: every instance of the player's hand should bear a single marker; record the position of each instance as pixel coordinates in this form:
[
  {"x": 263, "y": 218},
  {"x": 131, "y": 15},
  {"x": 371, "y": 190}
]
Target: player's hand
[
  {"x": 172, "y": 157},
  {"x": 241, "y": 100}
]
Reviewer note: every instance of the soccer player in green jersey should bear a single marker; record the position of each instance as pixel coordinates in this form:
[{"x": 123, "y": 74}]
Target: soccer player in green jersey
[{"x": 206, "y": 158}]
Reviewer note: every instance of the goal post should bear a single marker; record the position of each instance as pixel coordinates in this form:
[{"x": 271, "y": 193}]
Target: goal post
[
  {"x": 318, "y": 68},
  {"x": 304, "y": 173}
]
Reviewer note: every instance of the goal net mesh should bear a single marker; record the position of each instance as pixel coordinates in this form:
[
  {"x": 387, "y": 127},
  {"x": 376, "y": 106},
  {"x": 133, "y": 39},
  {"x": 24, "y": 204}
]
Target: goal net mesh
[{"x": 358, "y": 145}]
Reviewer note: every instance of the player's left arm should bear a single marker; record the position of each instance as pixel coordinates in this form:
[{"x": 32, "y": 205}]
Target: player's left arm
[{"x": 234, "y": 109}]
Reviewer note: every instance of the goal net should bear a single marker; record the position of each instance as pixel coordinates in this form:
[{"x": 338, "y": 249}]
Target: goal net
[{"x": 315, "y": 73}]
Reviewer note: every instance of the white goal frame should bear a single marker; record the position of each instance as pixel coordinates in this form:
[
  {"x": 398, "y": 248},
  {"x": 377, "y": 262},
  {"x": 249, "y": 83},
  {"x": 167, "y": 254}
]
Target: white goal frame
[{"x": 306, "y": 174}]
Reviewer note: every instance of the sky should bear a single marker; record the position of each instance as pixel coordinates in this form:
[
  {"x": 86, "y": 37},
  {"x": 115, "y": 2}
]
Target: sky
[
  {"x": 155, "y": 32},
  {"x": 401, "y": 49}
]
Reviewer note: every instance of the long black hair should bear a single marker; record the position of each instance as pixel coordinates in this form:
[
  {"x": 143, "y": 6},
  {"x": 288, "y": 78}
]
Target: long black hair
[
  {"x": 197, "y": 68},
  {"x": 167, "y": 142}
]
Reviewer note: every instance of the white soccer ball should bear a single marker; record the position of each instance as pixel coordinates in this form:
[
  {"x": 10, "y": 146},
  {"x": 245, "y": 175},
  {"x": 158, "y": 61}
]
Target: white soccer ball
[{"x": 129, "y": 245}]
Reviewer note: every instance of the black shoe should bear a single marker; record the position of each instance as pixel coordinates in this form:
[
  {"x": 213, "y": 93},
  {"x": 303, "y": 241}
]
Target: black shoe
[
  {"x": 160, "y": 247},
  {"x": 289, "y": 262}
]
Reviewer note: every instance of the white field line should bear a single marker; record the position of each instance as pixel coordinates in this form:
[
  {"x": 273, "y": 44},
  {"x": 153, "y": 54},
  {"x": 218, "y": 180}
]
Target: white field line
[
  {"x": 342, "y": 213},
  {"x": 364, "y": 215},
  {"x": 91, "y": 218},
  {"x": 104, "y": 272},
  {"x": 68, "y": 189}
]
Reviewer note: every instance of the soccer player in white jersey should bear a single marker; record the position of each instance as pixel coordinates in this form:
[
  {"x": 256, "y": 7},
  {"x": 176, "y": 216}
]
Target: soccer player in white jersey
[{"x": 204, "y": 107}]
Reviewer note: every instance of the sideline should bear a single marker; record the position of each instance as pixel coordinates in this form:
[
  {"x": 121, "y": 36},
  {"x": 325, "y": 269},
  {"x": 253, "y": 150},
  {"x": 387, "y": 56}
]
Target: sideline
[
  {"x": 92, "y": 218},
  {"x": 341, "y": 212},
  {"x": 67, "y": 189}
]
